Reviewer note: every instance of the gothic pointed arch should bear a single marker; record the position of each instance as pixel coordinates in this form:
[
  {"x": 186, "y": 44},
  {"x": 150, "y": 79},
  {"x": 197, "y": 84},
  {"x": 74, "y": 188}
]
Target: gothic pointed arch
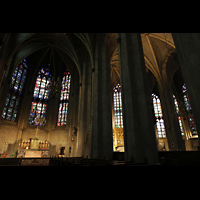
[
  {"x": 40, "y": 97},
  {"x": 64, "y": 99},
  {"x": 12, "y": 101}
]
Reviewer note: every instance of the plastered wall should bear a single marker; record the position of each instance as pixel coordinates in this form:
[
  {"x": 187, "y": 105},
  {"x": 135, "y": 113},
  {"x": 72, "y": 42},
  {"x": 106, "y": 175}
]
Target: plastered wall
[{"x": 56, "y": 138}]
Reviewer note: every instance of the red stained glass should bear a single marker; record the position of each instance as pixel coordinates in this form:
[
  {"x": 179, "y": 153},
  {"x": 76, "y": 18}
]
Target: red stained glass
[
  {"x": 40, "y": 96},
  {"x": 189, "y": 110},
  {"x": 158, "y": 116},
  {"x": 118, "y": 106},
  {"x": 15, "y": 91},
  {"x": 64, "y": 98}
]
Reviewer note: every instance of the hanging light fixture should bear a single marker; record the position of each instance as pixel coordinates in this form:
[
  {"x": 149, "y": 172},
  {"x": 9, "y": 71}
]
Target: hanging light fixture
[{"x": 55, "y": 88}]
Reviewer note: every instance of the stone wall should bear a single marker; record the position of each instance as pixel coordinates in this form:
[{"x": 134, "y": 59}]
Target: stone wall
[
  {"x": 8, "y": 135},
  {"x": 57, "y": 138}
]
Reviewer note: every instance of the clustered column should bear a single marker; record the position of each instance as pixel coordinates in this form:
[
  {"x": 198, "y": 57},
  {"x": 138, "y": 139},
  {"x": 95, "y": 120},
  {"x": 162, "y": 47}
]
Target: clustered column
[
  {"x": 139, "y": 135},
  {"x": 188, "y": 51},
  {"x": 102, "y": 141}
]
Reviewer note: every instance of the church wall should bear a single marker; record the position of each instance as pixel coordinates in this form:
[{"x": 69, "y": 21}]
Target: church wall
[
  {"x": 194, "y": 144},
  {"x": 58, "y": 139},
  {"x": 31, "y": 133},
  {"x": 8, "y": 134}
]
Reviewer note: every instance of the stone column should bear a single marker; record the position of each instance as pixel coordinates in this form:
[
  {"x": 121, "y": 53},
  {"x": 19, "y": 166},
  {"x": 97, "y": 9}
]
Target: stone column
[
  {"x": 139, "y": 135},
  {"x": 73, "y": 112},
  {"x": 173, "y": 133},
  {"x": 102, "y": 142},
  {"x": 188, "y": 51},
  {"x": 83, "y": 110},
  {"x": 6, "y": 45},
  {"x": 184, "y": 116},
  {"x": 84, "y": 143}
]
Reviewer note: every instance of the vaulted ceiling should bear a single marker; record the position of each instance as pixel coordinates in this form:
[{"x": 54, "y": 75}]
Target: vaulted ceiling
[
  {"x": 156, "y": 47},
  {"x": 70, "y": 48},
  {"x": 61, "y": 49}
]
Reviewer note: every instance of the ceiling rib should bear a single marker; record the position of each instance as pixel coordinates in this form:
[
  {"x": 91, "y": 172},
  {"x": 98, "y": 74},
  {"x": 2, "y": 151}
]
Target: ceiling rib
[{"x": 162, "y": 39}]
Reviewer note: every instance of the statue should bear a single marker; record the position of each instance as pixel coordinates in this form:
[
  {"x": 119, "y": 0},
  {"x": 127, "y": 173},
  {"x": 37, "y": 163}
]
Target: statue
[{"x": 75, "y": 131}]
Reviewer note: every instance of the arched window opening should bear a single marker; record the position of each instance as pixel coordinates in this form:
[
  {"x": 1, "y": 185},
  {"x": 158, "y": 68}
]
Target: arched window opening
[
  {"x": 189, "y": 110},
  {"x": 179, "y": 118},
  {"x": 13, "y": 96},
  {"x": 118, "y": 106},
  {"x": 40, "y": 97},
  {"x": 118, "y": 136},
  {"x": 64, "y": 99},
  {"x": 158, "y": 116}
]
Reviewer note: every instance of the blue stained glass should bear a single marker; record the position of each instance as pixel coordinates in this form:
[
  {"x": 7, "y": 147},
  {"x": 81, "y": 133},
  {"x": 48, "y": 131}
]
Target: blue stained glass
[
  {"x": 189, "y": 110},
  {"x": 40, "y": 97},
  {"x": 64, "y": 98},
  {"x": 158, "y": 116},
  {"x": 16, "y": 87},
  {"x": 117, "y": 106}
]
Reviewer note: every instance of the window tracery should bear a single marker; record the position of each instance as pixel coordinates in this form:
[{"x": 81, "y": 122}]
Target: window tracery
[
  {"x": 189, "y": 110},
  {"x": 64, "y": 99},
  {"x": 13, "y": 96},
  {"x": 118, "y": 106},
  {"x": 158, "y": 116},
  {"x": 179, "y": 118},
  {"x": 40, "y": 97}
]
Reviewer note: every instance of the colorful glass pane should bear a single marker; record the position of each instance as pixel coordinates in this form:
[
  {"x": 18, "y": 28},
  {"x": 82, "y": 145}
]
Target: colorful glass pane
[
  {"x": 179, "y": 118},
  {"x": 15, "y": 91},
  {"x": 159, "y": 116},
  {"x": 64, "y": 99},
  {"x": 40, "y": 97},
  {"x": 189, "y": 110},
  {"x": 118, "y": 106}
]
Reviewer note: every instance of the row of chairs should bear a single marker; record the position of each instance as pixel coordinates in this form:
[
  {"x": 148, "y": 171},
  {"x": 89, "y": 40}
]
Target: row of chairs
[
  {"x": 10, "y": 161},
  {"x": 77, "y": 161}
]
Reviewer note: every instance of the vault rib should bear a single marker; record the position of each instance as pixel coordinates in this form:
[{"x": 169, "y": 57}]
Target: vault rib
[{"x": 162, "y": 39}]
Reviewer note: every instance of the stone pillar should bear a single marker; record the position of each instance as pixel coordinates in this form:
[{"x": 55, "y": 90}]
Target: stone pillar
[
  {"x": 84, "y": 119},
  {"x": 188, "y": 51},
  {"x": 102, "y": 141},
  {"x": 184, "y": 116},
  {"x": 173, "y": 133},
  {"x": 83, "y": 110},
  {"x": 139, "y": 135},
  {"x": 73, "y": 113},
  {"x": 5, "y": 47}
]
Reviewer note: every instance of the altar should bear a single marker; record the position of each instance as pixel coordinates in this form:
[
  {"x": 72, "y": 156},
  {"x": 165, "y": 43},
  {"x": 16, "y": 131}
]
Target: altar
[
  {"x": 33, "y": 148},
  {"x": 29, "y": 153}
]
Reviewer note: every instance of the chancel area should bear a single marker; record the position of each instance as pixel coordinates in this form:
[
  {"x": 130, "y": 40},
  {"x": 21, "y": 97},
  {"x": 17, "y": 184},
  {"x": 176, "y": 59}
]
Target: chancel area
[{"x": 94, "y": 95}]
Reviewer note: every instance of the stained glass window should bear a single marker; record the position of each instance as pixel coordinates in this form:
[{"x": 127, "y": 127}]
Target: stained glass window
[
  {"x": 64, "y": 99},
  {"x": 189, "y": 110},
  {"x": 179, "y": 118},
  {"x": 15, "y": 91},
  {"x": 40, "y": 97},
  {"x": 118, "y": 106},
  {"x": 159, "y": 116}
]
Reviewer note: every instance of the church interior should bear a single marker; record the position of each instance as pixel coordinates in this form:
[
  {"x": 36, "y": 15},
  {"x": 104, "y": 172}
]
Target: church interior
[{"x": 110, "y": 96}]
